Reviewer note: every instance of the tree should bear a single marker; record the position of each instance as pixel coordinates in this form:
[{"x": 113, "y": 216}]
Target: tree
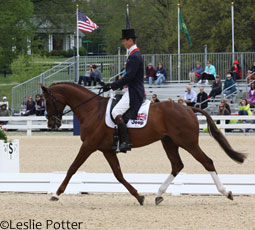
[{"x": 16, "y": 26}]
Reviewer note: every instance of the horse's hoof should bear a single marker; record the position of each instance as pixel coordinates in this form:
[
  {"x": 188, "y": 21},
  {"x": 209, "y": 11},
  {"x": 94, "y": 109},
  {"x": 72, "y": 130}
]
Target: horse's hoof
[
  {"x": 158, "y": 200},
  {"x": 141, "y": 200},
  {"x": 230, "y": 196},
  {"x": 54, "y": 198}
]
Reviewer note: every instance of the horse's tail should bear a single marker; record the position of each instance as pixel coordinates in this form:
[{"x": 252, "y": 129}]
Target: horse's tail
[{"x": 220, "y": 138}]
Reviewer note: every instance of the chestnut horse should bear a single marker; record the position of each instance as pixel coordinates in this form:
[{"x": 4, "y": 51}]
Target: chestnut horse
[{"x": 173, "y": 124}]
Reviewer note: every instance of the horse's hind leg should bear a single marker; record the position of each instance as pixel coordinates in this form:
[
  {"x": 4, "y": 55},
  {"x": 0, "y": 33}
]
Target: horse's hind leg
[
  {"x": 115, "y": 166},
  {"x": 207, "y": 162},
  {"x": 173, "y": 155}
]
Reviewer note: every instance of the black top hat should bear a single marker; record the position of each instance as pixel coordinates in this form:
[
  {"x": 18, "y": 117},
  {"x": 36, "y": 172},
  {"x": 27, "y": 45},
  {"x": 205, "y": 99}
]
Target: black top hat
[{"x": 128, "y": 33}]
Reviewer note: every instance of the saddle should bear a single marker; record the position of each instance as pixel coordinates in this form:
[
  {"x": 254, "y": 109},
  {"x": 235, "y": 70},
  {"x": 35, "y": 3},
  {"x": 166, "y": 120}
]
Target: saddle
[{"x": 132, "y": 119}]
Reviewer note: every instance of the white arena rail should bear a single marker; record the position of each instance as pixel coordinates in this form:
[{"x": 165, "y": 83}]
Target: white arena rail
[
  {"x": 33, "y": 123},
  {"x": 40, "y": 122},
  {"x": 81, "y": 182}
]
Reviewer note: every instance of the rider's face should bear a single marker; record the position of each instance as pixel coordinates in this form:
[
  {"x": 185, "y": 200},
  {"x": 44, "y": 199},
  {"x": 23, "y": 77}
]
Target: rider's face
[{"x": 127, "y": 43}]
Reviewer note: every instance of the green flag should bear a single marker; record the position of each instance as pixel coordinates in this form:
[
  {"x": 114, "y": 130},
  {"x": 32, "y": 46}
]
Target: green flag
[{"x": 184, "y": 29}]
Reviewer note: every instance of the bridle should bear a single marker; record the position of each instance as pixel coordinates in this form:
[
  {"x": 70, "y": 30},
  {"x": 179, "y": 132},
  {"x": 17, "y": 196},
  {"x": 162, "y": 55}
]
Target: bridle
[{"x": 56, "y": 114}]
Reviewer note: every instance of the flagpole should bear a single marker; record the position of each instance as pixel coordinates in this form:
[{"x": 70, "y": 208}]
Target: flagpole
[
  {"x": 233, "y": 32},
  {"x": 77, "y": 44},
  {"x": 127, "y": 28},
  {"x": 179, "y": 45}
]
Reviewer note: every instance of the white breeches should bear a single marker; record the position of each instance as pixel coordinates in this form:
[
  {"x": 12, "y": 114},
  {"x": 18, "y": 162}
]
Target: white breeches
[{"x": 122, "y": 106}]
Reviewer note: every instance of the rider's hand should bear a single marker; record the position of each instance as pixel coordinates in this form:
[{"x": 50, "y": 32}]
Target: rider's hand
[{"x": 107, "y": 87}]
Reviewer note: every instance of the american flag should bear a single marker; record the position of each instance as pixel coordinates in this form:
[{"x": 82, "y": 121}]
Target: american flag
[{"x": 85, "y": 24}]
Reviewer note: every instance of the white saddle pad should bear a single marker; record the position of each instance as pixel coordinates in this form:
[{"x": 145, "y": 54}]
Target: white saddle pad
[{"x": 142, "y": 116}]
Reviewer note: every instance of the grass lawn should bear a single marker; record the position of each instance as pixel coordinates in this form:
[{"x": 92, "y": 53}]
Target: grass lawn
[{"x": 11, "y": 80}]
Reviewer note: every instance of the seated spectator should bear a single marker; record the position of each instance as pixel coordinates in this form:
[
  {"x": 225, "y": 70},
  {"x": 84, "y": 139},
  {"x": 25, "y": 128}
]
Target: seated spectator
[
  {"x": 4, "y": 113},
  {"x": 190, "y": 97},
  {"x": 154, "y": 98},
  {"x": 150, "y": 74},
  {"x": 236, "y": 71},
  {"x": 229, "y": 87},
  {"x": 244, "y": 108},
  {"x": 251, "y": 73},
  {"x": 86, "y": 78},
  {"x": 160, "y": 74},
  {"x": 224, "y": 112},
  {"x": 195, "y": 74},
  {"x": 251, "y": 98},
  {"x": 30, "y": 109},
  {"x": 95, "y": 75},
  {"x": 209, "y": 74},
  {"x": 39, "y": 105},
  {"x": 4, "y": 101},
  {"x": 202, "y": 99},
  {"x": 226, "y": 105},
  {"x": 216, "y": 88}
]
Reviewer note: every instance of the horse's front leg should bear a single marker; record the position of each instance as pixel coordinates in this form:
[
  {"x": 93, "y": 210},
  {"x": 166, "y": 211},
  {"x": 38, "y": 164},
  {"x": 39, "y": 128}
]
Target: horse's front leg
[
  {"x": 115, "y": 166},
  {"x": 82, "y": 156}
]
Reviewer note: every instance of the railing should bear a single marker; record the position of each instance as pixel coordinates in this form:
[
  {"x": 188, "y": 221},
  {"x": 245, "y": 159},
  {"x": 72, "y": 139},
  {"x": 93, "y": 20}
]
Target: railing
[
  {"x": 230, "y": 95},
  {"x": 112, "y": 65},
  {"x": 223, "y": 125},
  {"x": 61, "y": 72},
  {"x": 31, "y": 123}
]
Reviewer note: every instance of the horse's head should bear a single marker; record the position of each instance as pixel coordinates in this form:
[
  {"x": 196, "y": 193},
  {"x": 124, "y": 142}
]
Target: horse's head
[{"x": 54, "y": 108}]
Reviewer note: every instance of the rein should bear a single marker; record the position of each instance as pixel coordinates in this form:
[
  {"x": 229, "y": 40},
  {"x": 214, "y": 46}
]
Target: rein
[{"x": 57, "y": 114}]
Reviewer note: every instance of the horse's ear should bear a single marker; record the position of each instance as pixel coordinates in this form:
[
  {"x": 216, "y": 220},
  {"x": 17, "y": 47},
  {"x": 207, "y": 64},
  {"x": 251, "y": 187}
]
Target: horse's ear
[{"x": 44, "y": 89}]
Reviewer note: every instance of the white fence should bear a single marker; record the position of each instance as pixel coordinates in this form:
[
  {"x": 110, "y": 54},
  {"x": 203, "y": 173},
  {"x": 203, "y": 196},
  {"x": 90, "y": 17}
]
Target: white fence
[
  {"x": 33, "y": 123},
  {"x": 36, "y": 123},
  {"x": 81, "y": 182}
]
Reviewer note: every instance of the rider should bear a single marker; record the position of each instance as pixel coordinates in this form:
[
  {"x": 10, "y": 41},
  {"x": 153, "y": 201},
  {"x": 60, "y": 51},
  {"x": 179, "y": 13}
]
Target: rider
[{"x": 133, "y": 81}]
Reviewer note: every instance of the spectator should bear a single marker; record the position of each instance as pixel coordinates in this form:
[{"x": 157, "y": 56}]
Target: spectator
[
  {"x": 236, "y": 71},
  {"x": 202, "y": 98},
  {"x": 229, "y": 87},
  {"x": 190, "y": 97},
  {"x": 154, "y": 98},
  {"x": 150, "y": 74},
  {"x": 95, "y": 76},
  {"x": 244, "y": 108},
  {"x": 4, "y": 113},
  {"x": 226, "y": 105},
  {"x": 39, "y": 105},
  {"x": 223, "y": 111},
  {"x": 30, "y": 110},
  {"x": 251, "y": 73},
  {"x": 160, "y": 74},
  {"x": 209, "y": 74},
  {"x": 216, "y": 88},
  {"x": 195, "y": 74},
  {"x": 251, "y": 98},
  {"x": 85, "y": 79},
  {"x": 180, "y": 101},
  {"x": 4, "y": 101}
]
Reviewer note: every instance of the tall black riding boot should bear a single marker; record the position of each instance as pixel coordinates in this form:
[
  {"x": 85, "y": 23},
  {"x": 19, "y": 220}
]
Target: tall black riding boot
[{"x": 123, "y": 133}]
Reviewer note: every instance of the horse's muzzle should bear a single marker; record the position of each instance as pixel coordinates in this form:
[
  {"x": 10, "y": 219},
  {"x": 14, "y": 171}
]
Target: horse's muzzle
[{"x": 54, "y": 124}]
